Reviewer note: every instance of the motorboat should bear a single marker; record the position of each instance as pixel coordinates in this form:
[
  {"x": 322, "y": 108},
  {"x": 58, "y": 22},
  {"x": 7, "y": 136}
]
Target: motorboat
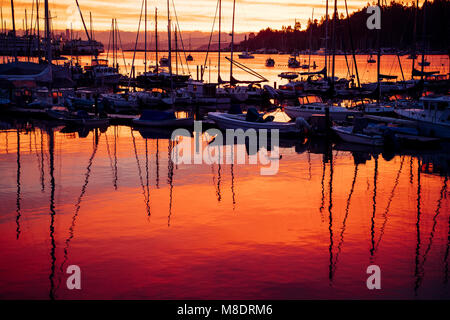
[
  {"x": 293, "y": 63},
  {"x": 246, "y": 55},
  {"x": 348, "y": 134},
  {"x": 254, "y": 120},
  {"x": 164, "y": 62},
  {"x": 433, "y": 115},
  {"x": 306, "y": 111},
  {"x": 120, "y": 102},
  {"x": 270, "y": 62}
]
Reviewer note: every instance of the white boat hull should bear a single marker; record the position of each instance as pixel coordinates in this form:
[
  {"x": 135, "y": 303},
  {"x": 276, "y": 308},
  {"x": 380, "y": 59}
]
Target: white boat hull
[
  {"x": 296, "y": 112},
  {"x": 227, "y": 121}
]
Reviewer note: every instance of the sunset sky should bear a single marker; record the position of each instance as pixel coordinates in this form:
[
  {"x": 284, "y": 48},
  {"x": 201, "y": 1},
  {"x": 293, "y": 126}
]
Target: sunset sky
[{"x": 251, "y": 15}]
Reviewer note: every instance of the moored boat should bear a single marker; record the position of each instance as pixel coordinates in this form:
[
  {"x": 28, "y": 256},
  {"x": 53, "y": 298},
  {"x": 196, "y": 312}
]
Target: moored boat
[
  {"x": 433, "y": 116},
  {"x": 249, "y": 121},
  {"x": 348, "y": 134}
]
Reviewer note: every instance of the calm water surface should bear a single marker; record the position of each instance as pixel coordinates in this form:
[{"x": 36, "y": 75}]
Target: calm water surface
[{"x": 140, "y": 226}]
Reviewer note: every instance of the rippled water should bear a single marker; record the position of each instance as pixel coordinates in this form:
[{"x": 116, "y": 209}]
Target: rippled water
[{"x": 140, "y": 226}]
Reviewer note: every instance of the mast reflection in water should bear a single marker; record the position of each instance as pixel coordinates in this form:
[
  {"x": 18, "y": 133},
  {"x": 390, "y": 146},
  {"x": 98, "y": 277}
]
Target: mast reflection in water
[{"x": 310, "y": 231}]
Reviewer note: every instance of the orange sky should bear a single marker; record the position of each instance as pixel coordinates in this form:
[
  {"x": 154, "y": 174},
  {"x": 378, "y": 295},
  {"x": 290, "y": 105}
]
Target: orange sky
[{"x": 251, "y": 15}]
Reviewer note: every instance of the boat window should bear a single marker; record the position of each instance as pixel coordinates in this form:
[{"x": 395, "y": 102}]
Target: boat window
[
  {"x": 426, "y": 105},
  {"x": 432, "y": 106}
]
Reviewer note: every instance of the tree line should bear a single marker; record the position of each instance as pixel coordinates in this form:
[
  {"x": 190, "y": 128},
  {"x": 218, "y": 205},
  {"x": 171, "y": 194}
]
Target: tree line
[{"x": 402, "y": 28}]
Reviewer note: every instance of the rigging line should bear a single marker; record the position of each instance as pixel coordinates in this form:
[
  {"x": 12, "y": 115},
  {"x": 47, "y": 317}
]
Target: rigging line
[
  {"x": 136, "y": 43},
  {"x": 181, "y": 38},
  {"x": 121, "y": 46},
  {"x": 109, "y": 43},
  {"x": 247, "y": 69},
  {"x": 210, "y": 39}
]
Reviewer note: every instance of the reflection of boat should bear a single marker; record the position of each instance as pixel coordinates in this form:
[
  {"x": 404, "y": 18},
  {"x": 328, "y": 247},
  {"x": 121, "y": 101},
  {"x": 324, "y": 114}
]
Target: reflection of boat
[
  {"x": 253, "y": 120},
  {"x": 154, "y": 118},
  {"x": 348, "y": 134},
  {"x": 270, "y": 62}
]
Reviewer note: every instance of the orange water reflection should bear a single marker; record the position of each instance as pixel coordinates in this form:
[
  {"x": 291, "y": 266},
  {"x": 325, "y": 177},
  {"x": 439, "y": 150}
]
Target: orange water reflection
[{"x": 140, "y": 226}]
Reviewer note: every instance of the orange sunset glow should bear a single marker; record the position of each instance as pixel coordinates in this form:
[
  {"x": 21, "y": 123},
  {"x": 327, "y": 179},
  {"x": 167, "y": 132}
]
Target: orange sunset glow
[{"x": 195, "y": 15}]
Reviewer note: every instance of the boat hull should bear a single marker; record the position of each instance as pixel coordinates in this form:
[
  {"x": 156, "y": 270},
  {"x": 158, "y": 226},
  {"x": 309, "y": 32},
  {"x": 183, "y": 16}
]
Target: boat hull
[
  {"x": 225, "y": 121},
  {"x": 295, "y": 112},
  {"x": 347, "y": 136}
]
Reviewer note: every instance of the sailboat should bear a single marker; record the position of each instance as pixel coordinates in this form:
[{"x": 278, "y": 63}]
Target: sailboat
[
  {"x": 190, "y": 57},
  {"x": 270, "y": 62},
  {"x": 246, "y": 54}
]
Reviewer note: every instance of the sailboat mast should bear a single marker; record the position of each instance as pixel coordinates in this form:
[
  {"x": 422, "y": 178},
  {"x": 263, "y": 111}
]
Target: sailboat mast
[
  {"x": 145, "y": 38},
  {"x": 156, "y": 38},
  {"x": 326, "y": 40},
  {"x": 378, "y": 60},
  {"x": 90, "y": 24},
  {"x": 170, "y": 44},
  {"x": 334, "y": 44},
  {"x": 38, "y": 31},
  {"x": 232, "y": 43},
  {"x": 220, "y": 30},
  {"x": 176, "y": 50},
  {"x": 424, "y": 27},
  {"x": 310, "y": 39},
  {"x": 414, "y": 39},
  {"x": 14, "y": 31},
  {"x": 47, "y": 33}
]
